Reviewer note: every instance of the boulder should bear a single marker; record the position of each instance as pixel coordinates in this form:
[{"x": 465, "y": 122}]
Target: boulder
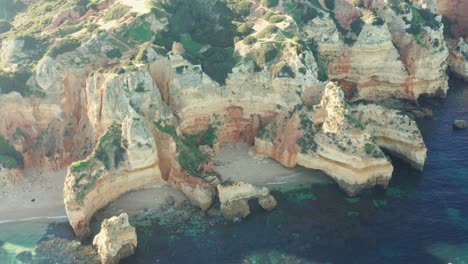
[
  {"x": 117, "y": 239},
  {"x": 234, "y": 199},
  {"x": 460, "y": 124}
]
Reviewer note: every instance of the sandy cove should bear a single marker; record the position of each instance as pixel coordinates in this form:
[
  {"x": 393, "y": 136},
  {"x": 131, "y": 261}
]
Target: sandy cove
[{"x": 233, "y": 162}]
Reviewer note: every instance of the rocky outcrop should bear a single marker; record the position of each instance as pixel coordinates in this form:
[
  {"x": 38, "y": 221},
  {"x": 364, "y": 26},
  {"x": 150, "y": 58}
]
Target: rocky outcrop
[
  {"x": 234, "y": 199},
  {"x": 458, "y": 59},
  {"x": 110, "y": 171},
  {"x": 116, "y": 240},
  {"x": 329, "y": 138},
  {"x": 460, "y": 124},
  {"x": 393, "y": 130}
]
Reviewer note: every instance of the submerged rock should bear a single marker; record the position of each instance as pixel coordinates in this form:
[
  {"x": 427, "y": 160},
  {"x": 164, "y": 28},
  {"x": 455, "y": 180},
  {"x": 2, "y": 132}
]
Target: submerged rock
[
  {"x": 116, "y": 240},
  {"x": 460, "y": 124}
]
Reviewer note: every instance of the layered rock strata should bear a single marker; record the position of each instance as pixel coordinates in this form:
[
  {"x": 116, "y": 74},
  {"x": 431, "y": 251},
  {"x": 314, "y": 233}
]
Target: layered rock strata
[
  {"x": 116, "y": 240},
  {"x": 393, "y": 130},
  {"x": 329, "y": 137}
]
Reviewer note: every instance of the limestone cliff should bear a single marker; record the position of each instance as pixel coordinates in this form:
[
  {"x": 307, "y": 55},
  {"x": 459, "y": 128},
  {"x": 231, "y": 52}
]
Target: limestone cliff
[
  {"x": 323, "y": 138},
  {"x": 116, "y": 240},
  {"x": 393, "y": 130},
  {"x": 129, "y": 99}
]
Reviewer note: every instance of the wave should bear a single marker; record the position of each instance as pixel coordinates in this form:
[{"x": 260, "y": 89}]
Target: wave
[{"x": 34, "y": 218}]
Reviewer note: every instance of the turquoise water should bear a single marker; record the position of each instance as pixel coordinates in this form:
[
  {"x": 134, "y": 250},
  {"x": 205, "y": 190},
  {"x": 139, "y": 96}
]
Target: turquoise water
[{"x": 421, "y": 218}]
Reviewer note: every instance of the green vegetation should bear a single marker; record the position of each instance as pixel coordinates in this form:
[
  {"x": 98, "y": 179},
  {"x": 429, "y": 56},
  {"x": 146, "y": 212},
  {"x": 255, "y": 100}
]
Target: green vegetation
[
  {"x": 270, "y": 3},
  {"x": 109, "y": 150},
  {"x": 265, "y": 54},
  {"x": 276, "y": 19},
  {"x": 9, "y": 157},
  {"x": 250, "y": 40},
  {"x": 192, "y": 46},
  {"x": 322, "y": 64},
  {"x": 62, "y": 32},
  {"x": 190, "y": 157},
  {"x": 373, "y": 150},
  {"x": 196, "y": 26},
  {"x": 80, "y": 165},
  {"x": 113, "y": 53},
  {"x": 307, "y": 142},
  {"x": 245, "y": 29},
  {"x": 63, "y": 46},
  {"x": 15, "y": 82},
  {"x": 116, "y": 12},
  {"x": 267, "y": 31},
  {"x": 4, "y": 26},
  {"x": 358, "y": 3},
  {"x": 282, "y": 69},
  {"x": 140, "y": 88},
  {"x": 356, "y": 122},
  {"x": 447, "y": 27},
  {"x": 421, "y": 18},
  {"x": 330, "y": 4},
  {"x": 357, "y": 25},
  {"x": 239, "y": 7}
]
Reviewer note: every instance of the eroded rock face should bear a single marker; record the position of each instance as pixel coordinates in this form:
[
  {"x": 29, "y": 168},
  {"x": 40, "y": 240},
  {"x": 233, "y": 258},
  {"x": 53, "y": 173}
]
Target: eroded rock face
[
  {"x": 329, "y": 137},
  {"x": 458, "y": 59},
  {"x": 116, "y": 240},
  {"x": 234, "y": 199},
  {"x": 393, "y": 130},
  {"x": 109, "y": 172}
]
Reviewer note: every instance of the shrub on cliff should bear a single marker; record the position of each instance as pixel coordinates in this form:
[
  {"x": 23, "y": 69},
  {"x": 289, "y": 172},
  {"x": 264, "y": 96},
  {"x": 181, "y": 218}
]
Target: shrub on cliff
[
  {"x": 113, "y": 53},
  {"x": 239, "y": 7},
  {"x": 63, "y": 46},
  {"x": 282, "y": 69},
  {"x": 276, "y": 19},
  {"x": 9, "y": 157},
  {"x": 249, "y": 40},
  {"x": 270, "y": 3},
  {"x": 265, "y": 54},
  {"x": 15, "y": 82}
]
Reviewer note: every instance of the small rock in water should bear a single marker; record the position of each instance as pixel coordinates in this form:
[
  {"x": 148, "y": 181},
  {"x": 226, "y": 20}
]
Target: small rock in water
[{"x": 460, "y": 124}]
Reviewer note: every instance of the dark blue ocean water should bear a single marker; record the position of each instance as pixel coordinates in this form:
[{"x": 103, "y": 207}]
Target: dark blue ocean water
[{"x": 421, "y": 218}]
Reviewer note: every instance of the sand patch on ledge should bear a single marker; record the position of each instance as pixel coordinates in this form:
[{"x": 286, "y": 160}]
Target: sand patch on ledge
[{"x": 234, "y": 163}]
